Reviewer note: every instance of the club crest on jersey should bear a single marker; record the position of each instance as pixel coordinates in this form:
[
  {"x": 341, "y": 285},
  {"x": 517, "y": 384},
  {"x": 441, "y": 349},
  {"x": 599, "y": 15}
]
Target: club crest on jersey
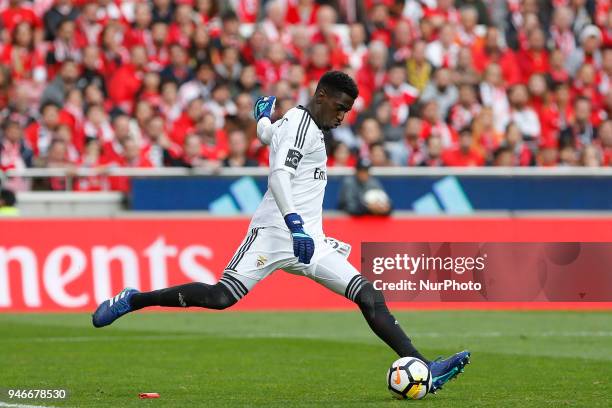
[
  {"x": 261, "y": 260},
  {"x": 320, "y": 174},
  {"x": 293, "y": 158}
]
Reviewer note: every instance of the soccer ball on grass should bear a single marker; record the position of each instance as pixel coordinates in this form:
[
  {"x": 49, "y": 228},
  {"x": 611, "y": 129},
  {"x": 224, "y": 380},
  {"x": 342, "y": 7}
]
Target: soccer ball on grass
[{"x": 409, "y": 378}]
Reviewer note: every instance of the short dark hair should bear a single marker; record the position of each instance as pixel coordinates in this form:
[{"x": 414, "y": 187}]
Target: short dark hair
[
  {"x": 338, "y": 81},
  {"x": 8, "y": 197}
]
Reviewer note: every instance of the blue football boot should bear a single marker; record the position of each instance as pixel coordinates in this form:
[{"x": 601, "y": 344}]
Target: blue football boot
[
  {"x": 113, "y": 308},
  {"x": 443, "y": 371}
]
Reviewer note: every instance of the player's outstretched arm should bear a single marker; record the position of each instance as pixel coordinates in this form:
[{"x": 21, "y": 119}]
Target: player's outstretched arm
[{"x": 303, "y": 244}]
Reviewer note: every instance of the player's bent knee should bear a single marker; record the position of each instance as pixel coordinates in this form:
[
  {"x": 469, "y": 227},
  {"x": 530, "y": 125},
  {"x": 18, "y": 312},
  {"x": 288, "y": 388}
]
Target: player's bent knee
[
  {"x": 223, "y": 298},
  {"x": 368, "y": 298},
  {"x": 216, "y": 296}
]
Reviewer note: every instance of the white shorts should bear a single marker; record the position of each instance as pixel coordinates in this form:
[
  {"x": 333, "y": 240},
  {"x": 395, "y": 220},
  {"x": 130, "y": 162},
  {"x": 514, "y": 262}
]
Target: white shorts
[{"x": 265, "y": 250}]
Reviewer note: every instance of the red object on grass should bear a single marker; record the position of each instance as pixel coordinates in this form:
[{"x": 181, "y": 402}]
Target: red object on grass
[{"x": 145, "y": 395}]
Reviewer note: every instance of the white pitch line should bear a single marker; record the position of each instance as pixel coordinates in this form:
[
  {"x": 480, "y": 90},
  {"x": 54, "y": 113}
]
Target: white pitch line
[{"x": 4, "y": 404}]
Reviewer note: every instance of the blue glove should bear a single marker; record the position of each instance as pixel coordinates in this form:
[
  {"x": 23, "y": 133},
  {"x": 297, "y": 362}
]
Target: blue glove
[
  {"x": 264, "y": 107},
  {"x": 303, "y": 245}
]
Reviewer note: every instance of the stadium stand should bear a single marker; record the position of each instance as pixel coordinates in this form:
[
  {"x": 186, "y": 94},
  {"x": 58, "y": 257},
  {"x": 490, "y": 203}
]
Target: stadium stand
[{"x": 144, "y": 84}]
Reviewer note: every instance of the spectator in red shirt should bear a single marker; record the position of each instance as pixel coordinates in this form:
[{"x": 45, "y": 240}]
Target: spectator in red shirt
[
  {"x": 213, "y": 138},
  {"x": 467, "y": 34},
  {"x": 466, "y": 109},
  {"x": 548, "y": 155},
  {"x": 275, "y": 67},
  {"x": 126, "y": 81},
  {"x": 40, "y": 134},
  {"x": 320, "y": 62},
  {"x": 159, "y": 54},
  {"x": 97, "y": 124},
  {"x": 274, "y": 26},
  {"x": 256, "y": 47},
  {"x": 380, "y": 23},
  {"x": 372, "y": 74},
  {"x": 139, "y": 32},
  {"x": 605, "y": 76},
  {"x": 57, "y": 157},
  {"x": 492, "y": 52},
  {"x": 434, "y": 125},
  {"x": 486, "y": 138},
  {"x": 400, "y": 94},
  {"x": 300, "y": 44},
  {"x": 369, "y": 133},
  {"x": 356, "y": 48},
  {"x": 186, "y": 123},
  {"x": 585, "y": 85},
  {"x": 465, "y": 154},
  {"x": 229, "y": 35},
  {"x": 403, "y": 38},
  {"x": 534, "y": 59},
  {"x": 605, "y": 141},
  {"x": 341, "y": 156},
  {"x": 17, "y": 13},
  {"x": 561, "y": 34},
  {"x": 169, "y": 106},
  {"x": 22, "y": 56},
  {"x": 443, "y": 12},
  {"x": 557, "y": 71},
  {"x": 301, "y": 11},
  {"x": 92, "y": 159},
  {"x": 183, "y": 26},
  {"x": 414, "y": 145},
  {"x": 114, "y": 54},
  {"x": 112, "y": 150},
  {"x": 192, "y": 154},
  {"x": 132, "y": 156},
  {"x": 88, "y": 25},
  {"x": 513, "y": 140},
  {"x": 14, "y": 151}
]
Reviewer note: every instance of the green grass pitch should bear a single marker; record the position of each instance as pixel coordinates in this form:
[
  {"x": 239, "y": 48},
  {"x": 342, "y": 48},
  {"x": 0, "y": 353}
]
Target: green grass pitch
[{"x": 291, "y": 359}]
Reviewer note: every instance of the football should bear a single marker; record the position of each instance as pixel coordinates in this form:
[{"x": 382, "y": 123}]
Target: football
[
  {"x": 409, "y": 378},
  {"x": 375, "y": 196}
]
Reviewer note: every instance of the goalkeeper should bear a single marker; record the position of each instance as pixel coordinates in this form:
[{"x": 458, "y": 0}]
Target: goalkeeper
[{"x": 286, "y": 230}]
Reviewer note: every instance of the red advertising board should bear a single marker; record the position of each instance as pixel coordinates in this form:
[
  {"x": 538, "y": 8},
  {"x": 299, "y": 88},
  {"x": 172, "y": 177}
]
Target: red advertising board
[{"x": 72, "y": 264}]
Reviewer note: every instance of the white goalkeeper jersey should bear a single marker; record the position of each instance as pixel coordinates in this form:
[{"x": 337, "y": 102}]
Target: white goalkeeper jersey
[{"x": 298, "y": 147}]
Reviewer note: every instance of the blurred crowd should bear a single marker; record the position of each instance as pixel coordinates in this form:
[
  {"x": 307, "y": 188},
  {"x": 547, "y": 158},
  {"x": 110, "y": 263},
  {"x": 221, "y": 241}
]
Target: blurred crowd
[{"x": 150, "y": 83}]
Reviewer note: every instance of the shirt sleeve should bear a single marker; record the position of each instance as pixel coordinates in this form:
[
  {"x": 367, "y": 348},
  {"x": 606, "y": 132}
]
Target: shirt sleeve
[{"x": 289, "y": 142}]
